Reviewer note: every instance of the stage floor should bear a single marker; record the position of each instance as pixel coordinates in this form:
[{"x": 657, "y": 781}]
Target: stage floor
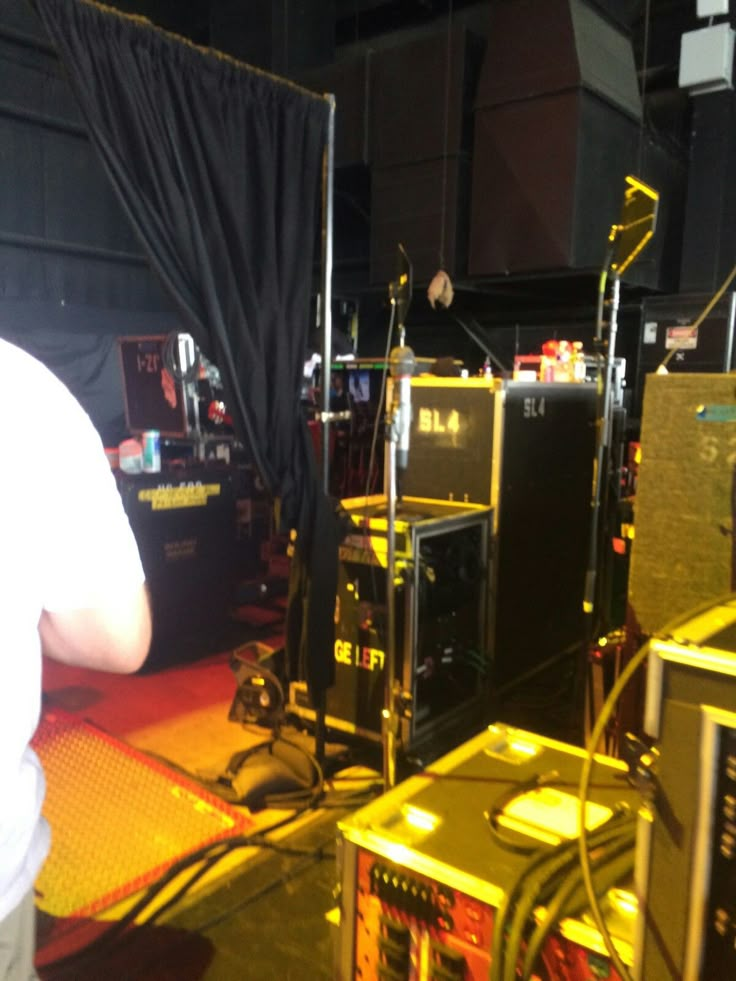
[
  {"x": 258, "y": 910},
  {"x": 255, "y": 912}
]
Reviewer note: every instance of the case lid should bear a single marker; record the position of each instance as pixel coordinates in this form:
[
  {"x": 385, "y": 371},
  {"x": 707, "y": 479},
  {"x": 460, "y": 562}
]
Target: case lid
[{"x": 455, "y": 440}]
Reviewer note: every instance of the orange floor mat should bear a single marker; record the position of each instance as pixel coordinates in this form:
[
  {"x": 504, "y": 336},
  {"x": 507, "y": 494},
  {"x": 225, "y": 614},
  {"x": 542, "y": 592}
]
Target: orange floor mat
[{"x": 119, "y": 819}]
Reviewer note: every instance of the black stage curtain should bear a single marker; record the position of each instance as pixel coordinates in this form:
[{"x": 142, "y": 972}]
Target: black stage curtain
[{"x": 218, "y": 166}]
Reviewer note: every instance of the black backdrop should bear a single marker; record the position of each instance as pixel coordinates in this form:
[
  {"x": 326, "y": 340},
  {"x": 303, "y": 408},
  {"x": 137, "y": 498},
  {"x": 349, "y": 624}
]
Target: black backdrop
[
  {"x": 218, "y": 166},
  {"x": 79, "y": 343}
]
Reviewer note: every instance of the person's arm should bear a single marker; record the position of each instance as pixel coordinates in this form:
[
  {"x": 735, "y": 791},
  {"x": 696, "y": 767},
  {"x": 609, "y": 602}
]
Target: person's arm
[
  {"x": 110, "y": 637},
  {"x": 89, "y": 577}
]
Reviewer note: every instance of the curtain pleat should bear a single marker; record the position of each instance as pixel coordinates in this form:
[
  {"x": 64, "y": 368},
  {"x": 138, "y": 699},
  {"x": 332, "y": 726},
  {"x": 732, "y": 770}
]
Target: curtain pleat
[{"x": 218, "y": 166}]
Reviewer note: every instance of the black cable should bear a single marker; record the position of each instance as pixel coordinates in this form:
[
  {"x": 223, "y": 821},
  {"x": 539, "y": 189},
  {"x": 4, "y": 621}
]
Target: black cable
[
  {"x": 694, "y": 326},
  {"x": 341, "y": 805},
  {"x": 379, "y": 408},
  {"x": 73, "y": 961},
  {"x": 541, "y": 865},
  {"x": 306, "y": 797},
  {"x": 611, "y": 868},
  {"x": 184, "y": 888},
  {"x": 107, "y": 941},
  {"x": 317, "y": 854},
  {"x": 222, "y": 786},
  {"x": 260, "y": 893},
  {"x": 482, "y": 344},
  {"x": 538, "y": 669},
  {"x": 310, "y": 795},
  {"x": 615, "y": 864},
  {"x": 587, "y": 769},
  {"x": 510, "y": 842},
  {"x": 547, "y": 879},
  {"x": 210, "y": 854}
]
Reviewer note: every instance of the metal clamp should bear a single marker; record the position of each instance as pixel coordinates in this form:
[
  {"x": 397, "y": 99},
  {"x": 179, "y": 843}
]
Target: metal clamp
[{"x": 342, "y": 416}]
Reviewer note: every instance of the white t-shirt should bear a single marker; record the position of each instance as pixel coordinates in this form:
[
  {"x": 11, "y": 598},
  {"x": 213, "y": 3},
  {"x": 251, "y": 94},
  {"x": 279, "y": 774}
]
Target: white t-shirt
[{"x": 65, "y": 543}]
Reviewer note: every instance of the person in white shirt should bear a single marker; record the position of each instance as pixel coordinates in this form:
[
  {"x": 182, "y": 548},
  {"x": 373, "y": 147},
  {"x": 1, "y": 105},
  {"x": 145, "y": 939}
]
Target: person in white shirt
[{"x": 71, "y": 587}]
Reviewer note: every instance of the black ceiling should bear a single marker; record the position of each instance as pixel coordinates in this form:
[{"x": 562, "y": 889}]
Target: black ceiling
[
  {"x": 656, "y": 24},
  {"x": 289, "y": 37}
]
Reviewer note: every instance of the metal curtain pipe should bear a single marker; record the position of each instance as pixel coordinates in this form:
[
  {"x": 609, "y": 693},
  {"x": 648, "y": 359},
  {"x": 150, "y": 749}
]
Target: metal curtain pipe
[
  {"x": 328, "y": 176},
  {"x": 328, "y": 171}
]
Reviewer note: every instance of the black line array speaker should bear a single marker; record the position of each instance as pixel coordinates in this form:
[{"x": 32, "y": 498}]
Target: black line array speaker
[
  {"x": 683, "y": 550},
  {"x": 420, "y": 123},
  {"x": 709, "y": 238},
  {"x": 421, "y": 204},
  {"x": 349, "y": 81},
  {"x": 563, "y": 116},
  {"x": 413, "y": 85}
]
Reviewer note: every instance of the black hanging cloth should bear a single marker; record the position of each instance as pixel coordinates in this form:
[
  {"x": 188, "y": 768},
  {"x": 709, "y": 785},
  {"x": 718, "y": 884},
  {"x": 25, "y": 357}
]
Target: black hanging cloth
[{"x": 218, "y": 166}]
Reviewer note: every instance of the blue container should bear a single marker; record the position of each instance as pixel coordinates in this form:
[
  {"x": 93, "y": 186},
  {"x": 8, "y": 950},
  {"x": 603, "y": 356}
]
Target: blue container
[{"x": 152, "y": 451}]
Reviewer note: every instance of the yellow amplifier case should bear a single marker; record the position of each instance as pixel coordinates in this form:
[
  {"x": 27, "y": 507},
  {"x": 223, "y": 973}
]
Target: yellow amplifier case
[{"x": 420, "y": 869}]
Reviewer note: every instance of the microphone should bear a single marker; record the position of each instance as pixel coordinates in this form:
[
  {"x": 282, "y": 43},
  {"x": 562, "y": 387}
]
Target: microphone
[{"x": 402, "y": 363}]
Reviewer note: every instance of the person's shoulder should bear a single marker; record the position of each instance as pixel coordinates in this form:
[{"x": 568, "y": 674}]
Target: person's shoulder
[
  {"x": 20, "y": 364},
  {"x": 11, "y": 355},
  {"x": 35, "y": 393}
]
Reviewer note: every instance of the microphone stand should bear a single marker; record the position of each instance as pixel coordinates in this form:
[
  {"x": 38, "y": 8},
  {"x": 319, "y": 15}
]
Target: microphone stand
[
  {"x": 402, "y": 361},
  {"x": 390, "y": 717},
  {"x": 603, "y": 435}
]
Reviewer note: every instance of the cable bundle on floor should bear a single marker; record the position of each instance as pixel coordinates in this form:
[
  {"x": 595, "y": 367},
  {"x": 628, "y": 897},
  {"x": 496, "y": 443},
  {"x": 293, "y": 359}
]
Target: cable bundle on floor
[{"x": 552, "y": 879}]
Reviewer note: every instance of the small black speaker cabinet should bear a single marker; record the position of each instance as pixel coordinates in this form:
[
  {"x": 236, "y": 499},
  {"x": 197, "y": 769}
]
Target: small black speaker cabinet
[{"x": 185, "y": 527}]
